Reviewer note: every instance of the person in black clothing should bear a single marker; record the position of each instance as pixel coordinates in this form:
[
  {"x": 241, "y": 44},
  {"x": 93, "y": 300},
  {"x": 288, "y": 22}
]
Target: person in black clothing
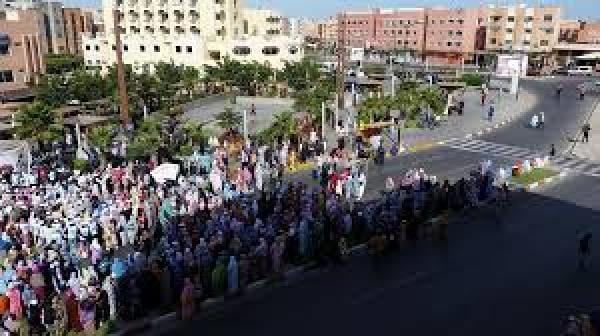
[
  {"x": 584, "y": 250},
  {"x": 586, "y": 132}
]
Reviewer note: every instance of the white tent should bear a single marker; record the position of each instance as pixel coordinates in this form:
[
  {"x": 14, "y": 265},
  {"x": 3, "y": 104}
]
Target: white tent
[
  {"x": 15, "y": 153},
  {"x": 164, "y": 172}
]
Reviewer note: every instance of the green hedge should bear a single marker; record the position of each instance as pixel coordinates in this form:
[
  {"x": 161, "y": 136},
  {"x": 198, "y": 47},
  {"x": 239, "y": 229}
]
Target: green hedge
[{"x": 472, "y": 79}]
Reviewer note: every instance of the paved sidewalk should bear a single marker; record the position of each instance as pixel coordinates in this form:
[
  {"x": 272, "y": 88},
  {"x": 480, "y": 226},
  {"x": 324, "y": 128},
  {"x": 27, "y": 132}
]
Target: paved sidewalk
[
  {"x": 474, "y": 119},
  {"x": 590, "y": 150}
]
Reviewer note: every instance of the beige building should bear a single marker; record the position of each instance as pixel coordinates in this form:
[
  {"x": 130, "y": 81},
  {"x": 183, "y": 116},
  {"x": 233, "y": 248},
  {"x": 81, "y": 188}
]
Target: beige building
[
  {"x": 522, "y": 29},
  {"x": 77, "y": 21},
  {"x": 23, "y": 45},
  {"x": 191, "y": 33}
]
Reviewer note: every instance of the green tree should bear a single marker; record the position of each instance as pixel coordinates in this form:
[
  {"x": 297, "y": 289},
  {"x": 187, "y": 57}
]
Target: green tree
[
  {"x": 52, "y": 90},
  {"x": 311, "y": 100},
  {"x": 301, "y": 75},
  {"x": 229, "y": 120},
  {"x": 58, "y": 64},
  {"x": 36, "y": 121},
  {"x": 102, "y": 137},
  {"x": 85, "y": 86},
  {"x": 190, "y": 78}
]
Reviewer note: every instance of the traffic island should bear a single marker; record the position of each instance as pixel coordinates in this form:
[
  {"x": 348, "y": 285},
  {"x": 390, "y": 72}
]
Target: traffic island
[{"x": 535, "y": 178}]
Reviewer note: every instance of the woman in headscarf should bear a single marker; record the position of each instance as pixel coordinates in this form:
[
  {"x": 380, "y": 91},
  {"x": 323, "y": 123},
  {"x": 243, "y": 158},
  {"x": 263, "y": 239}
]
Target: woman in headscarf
[
  {"x": 187, "y": 300},
  {"x": 219, "y": 278},
  {"x": 232, "y": 276}
]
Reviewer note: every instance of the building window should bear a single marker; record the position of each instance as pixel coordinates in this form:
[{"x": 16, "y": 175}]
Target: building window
[
  {"x": 97, "y": 48},
  {"x": 549, "y": 30},
  {"x": 508, "y": 42},
  {"x": 432, "y": 21},
  {"x": 509, "y": 30},
  {"x": 442, "y": 21},
  {"x": 547, "y": 18},
  {"x": 529, "y": 19},
  {"x": 458, "y": 44},
  {"x": 449, "y": 44},
  {"x": 511, "y": 19},
  {"x": 459, "y": 33},
  {"x": 527, "y": 30},
  {"x": 114, "y": 47},
  {"x": 526, "y": 43},
  {"x": 242, "y": 50},
  {"x": 544, "y": 43},
  {"x": 87, "y": 47},
  {"x": 142, "y": 48},
  {"x": 156, "y": 48},
  {"x": 493, "y": 41},
  {"x": 6, "y": 76},
  {"x": 125, "y": 47},
  {"x": 270, "y": 50},
  {"x": 461, "y": 21},
  {"x": 178, "y": 49},
  {"x": 450, "y": 33},
  {"x": 188, "y": 49}
]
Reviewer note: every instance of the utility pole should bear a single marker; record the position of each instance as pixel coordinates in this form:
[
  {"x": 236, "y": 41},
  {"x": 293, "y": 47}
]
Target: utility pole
[
  {"x": 121, "y": 84},
  {"x": 425, "y": 27},
  {"x": 341, "y": 62}
]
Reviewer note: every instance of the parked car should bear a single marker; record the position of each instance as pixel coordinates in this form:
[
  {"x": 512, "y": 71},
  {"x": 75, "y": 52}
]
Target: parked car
[
  {"x": 560, "y": 71},
  {"x": 581, "y": 71}
]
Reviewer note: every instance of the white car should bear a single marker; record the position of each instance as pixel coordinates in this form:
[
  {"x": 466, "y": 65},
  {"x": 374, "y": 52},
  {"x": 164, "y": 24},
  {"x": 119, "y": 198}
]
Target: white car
[{"x": 581, "y": 71}]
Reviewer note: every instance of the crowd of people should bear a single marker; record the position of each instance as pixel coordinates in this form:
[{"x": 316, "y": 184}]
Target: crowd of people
[{"x": 81, "y": 249}]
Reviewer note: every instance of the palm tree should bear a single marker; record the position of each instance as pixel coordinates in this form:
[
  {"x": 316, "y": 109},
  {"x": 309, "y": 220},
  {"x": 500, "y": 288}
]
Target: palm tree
[
  {"x": 36, "y": 121},
  {"x": 102, "y": 137},
  {"x": 190, "y": 78},
  {"x": 229, "y": 120}
]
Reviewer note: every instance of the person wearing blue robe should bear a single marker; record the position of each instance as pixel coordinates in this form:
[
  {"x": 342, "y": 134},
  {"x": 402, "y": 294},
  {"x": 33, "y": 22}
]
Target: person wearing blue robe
[
  {"x": 232, "y": 276},
  {"x": 303, "y": 238}
]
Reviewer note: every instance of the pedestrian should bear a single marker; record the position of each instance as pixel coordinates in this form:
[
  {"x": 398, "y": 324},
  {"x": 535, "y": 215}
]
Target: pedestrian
[
  {"x": 586, "y": 132},
  {"x": 187, "y": 300},
  {"x": 491, "y": 111},
  {"x": 541, "y": 120},
  {"x": 552, "y": 150},
  {"x": 584, "y": 250}
]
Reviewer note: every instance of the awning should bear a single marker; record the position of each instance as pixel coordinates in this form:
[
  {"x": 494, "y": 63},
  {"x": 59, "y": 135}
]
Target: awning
[{"x": 590, "y": 56}]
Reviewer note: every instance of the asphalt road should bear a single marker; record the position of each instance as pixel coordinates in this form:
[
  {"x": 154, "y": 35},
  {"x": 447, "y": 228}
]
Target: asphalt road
[
  {"x": 516, "y": 277},
  {"x": 513, "y": 277},
  {"x": 564, "y": 116}
]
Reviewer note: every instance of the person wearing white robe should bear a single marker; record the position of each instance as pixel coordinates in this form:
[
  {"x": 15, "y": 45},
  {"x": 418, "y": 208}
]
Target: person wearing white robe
[{"x": 362, "y": 182}]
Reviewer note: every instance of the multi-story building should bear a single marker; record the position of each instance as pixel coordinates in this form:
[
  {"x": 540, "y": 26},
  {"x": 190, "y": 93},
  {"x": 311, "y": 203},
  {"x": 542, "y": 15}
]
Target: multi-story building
[
  {"x": 77, "y": 21},
  {"x": 328, "y": 31},
  {"x": 439, "y": 35},
  {"x": 22, "y": 47},
  {"x": 55, "y": 27},
  {"x": 189, "y": 32},
  {"x": 522, "y": 29},
  {"x": 454, "y": 36}
]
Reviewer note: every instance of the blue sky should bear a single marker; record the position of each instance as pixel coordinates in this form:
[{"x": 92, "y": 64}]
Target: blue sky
[{"x": 574, "y": 9}]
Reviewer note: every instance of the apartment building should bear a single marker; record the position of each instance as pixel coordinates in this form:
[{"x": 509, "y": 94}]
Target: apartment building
[
  {"x": 523, "y": 29},
  {"x": 440, "y": 35},
  {"x": 189, "y": 32},
  {"x": 327, "y": 31},
  {"x": 454, "y": 36},
  {"x": 77, "y": 21},
  {"x": 22, "y": 47}
]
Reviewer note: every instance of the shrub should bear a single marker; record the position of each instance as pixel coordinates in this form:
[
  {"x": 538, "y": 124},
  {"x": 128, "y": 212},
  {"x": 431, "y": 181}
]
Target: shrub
[
  {"x": 81, "y": 165},
  {"x": 472, "y": 79}
]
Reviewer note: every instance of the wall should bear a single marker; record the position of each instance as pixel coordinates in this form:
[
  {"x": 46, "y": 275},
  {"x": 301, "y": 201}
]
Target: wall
[{"x": 27, "y": 45}]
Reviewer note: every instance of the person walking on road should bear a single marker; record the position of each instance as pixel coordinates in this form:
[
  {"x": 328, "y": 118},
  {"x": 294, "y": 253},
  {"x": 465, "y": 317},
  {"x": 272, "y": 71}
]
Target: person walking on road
[
  {"x": 541, "y": 120},
  {"x": 552, "y": 150},
  {"x": 586, "y": 132},
  {"x": 491, "y": 112},
  {"x": 584, "y": 250},
  {"x": 581, "y": 89}
]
